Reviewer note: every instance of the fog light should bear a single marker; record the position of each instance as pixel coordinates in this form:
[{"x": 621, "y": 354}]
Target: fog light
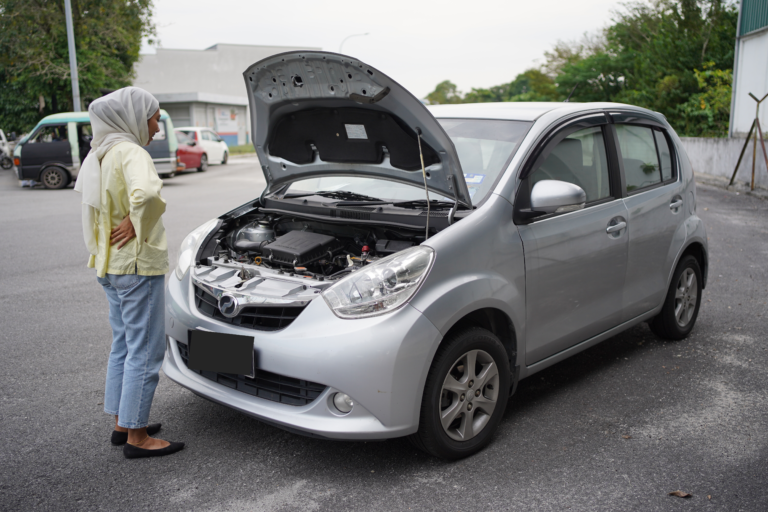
[{"x": 343, "y": 402}]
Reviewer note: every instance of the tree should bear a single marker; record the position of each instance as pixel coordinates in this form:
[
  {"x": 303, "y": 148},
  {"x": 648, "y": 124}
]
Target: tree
[
  {"x": 34, "y": 57},
  {"x": 650, "y": 58},
  {"x": 530, "y": 85},
  {"x": 445, "y": 92}
]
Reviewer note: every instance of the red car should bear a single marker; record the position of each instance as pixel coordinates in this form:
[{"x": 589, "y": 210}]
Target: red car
[{"x": 191, "y": 152}]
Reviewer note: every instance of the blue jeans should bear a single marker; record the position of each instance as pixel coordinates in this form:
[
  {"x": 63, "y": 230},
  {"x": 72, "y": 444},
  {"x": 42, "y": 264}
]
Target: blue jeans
[{"x": 136, "y": 314}]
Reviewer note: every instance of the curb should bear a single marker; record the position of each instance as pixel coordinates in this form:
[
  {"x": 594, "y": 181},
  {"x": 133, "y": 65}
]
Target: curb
[{"x": 740, "y": 187}]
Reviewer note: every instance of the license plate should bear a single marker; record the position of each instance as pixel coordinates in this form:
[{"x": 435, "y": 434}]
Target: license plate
[{"x": 221, "y": 353}]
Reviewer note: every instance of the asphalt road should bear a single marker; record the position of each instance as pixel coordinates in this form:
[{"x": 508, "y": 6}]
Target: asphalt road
[{"x": 616, "y": 427}]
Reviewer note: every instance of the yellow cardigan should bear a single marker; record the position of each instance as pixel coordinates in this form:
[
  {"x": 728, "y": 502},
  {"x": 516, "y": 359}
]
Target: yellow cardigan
[{"x": 130, "y": 186}]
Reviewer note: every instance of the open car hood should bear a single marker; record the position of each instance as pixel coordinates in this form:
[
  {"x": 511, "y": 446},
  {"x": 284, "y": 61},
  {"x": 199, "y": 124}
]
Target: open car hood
[{"x": 325, "y": 114}]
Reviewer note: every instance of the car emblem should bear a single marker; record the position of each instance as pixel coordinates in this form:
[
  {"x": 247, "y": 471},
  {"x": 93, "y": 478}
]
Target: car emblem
[{"x": 229, "y": 306}]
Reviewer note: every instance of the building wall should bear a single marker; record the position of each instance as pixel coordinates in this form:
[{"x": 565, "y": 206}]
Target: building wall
[
  {"x": 752, "y": 76},
  {"x": 185, "y": 80}
]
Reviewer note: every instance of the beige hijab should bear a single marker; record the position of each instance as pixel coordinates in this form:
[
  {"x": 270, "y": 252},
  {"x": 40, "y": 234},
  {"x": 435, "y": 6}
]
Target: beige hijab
[{"x": 118, "y": 117}]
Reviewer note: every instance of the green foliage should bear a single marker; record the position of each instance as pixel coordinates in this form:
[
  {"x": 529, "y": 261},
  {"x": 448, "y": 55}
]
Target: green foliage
[
  {"x": 34, "y": 57},
  {"x": 445, "y": 92},
  {"x": 650, "y": 56},
  {"x": 707, "y": 113},
  {"x": 241, "y": 150},
  {"x": 531, "y": 85}
]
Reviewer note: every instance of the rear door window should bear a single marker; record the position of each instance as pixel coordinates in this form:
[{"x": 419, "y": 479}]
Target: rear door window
[
  {"x": 646, "y": 156},
  {"x": 581, "y": 159},
  {"x": 665, "y": 155}
]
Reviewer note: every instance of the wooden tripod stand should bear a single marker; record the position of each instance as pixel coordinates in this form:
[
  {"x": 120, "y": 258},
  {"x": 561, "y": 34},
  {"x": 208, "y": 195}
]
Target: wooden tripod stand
[{"x": 755, "y": 123}]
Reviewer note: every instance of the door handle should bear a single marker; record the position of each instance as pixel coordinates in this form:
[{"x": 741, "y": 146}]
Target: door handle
[
  {"x": 674, "y": 205},
  {"x": 616, "y": 227}
]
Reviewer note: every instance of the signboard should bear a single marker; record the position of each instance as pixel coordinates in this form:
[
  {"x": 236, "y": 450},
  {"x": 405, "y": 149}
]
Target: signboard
[{"x": 226, "y": 120}]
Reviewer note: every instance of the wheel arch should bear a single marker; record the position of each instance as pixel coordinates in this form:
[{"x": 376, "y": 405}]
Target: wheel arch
[
  {"x": 697, "y": 250},
  {"x": 497, "y": 322}
]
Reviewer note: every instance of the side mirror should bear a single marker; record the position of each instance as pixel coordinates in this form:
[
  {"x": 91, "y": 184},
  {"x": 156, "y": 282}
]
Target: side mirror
[
  {"x": 191, "y": 143},
  {"x": 553, "y": 196}
]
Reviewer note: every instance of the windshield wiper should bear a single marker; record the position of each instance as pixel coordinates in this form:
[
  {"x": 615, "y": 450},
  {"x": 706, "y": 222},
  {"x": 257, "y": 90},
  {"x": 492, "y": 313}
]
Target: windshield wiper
[
  {"x": 417, "y": 203},
  {"x": 337, "y": 194}
]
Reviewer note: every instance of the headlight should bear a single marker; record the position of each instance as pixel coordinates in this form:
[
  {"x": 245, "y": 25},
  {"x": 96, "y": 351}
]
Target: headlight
[
  {"x": 380, "y": 287},
  {"x": 190, "y": 245}
]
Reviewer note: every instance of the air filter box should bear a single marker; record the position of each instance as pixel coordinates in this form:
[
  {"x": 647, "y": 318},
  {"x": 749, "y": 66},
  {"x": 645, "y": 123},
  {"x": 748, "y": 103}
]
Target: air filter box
[{"x": 298, "y": 248}]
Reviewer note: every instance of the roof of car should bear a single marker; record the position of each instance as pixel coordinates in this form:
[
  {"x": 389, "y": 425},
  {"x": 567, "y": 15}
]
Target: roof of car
[
  {"x": 78, "y": 117},
  {"x": 517, "y": 111}
]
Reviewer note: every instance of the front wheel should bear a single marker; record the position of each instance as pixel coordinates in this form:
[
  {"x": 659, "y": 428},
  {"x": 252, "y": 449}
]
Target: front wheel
[
  {"x": 6, "y": 163},
  {"x": 225, "y": 158},
  {"x": 465, "y": 395},
  {"x": 681, "y": 307}
]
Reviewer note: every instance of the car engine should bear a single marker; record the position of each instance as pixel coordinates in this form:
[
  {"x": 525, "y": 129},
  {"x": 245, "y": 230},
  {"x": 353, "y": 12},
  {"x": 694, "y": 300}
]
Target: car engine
[{"x": 299, "y": 247}]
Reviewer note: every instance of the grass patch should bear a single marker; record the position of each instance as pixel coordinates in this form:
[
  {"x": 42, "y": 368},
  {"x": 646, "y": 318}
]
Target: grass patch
[{"x": 241, "y": 150}]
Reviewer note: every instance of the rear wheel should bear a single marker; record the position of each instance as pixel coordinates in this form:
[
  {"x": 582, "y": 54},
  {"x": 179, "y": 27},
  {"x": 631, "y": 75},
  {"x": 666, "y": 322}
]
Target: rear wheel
[
  {"x": 167, "y": 175},
  {"x": 203, "y": 163},
  {"x": 6, "y": 162},
  {"x": 225, "y": 158},
  {"x": 55, "y": 178},
  {"x": 681, "y": 307},
  {"x": 465, "y": 395}
]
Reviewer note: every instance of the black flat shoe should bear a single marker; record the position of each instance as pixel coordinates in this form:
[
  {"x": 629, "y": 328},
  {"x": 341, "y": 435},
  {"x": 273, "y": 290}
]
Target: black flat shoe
[
  {"x": 120, "y": 438},
  {"x": 134, "y": 452}
]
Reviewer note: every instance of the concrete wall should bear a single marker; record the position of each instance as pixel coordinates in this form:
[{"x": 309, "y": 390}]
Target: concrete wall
[
  {"x": 751, "y": 76},
  {"x": 718, "y": 157}
]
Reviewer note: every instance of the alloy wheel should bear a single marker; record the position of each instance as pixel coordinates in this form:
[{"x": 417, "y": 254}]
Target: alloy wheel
[
  {"x": 686, "y": 294},
  {"x": 469, "y": 395}
]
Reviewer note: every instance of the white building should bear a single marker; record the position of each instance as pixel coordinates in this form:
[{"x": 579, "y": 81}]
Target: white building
[
  {"x": 750, "y": 69},
  {"x": 205, "y": 87}
]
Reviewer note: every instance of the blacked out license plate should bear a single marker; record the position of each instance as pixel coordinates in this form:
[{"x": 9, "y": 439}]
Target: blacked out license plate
[{"x": 221, "y": 353}]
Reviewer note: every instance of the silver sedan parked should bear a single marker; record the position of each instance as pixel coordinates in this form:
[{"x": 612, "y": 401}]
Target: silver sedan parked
[{"x": 342, "y": 303}]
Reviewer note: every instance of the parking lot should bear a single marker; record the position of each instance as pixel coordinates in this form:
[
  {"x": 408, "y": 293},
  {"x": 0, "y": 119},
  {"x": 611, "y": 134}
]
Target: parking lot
[{"x": 616, "y": 427}]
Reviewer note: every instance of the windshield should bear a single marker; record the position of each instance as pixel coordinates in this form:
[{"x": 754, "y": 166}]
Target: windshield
[{"x": 484, "y": 147}]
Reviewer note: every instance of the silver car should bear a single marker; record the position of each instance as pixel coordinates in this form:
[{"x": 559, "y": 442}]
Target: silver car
[{"x": 343, "y": 304}]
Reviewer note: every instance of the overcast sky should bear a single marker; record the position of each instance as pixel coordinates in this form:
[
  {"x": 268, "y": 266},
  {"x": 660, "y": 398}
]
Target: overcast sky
[{"x": 476, "y": 43}]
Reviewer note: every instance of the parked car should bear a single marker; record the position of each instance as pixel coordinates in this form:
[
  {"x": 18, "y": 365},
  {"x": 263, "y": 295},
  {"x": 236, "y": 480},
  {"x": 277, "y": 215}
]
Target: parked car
[
  {"x": 6, "y": 162},
  {"x": 340, "y": 303},
  {"x": 213, "y": 145},
  {"x": 190, "y": 153},
  {"x": 53, "y": 151}
]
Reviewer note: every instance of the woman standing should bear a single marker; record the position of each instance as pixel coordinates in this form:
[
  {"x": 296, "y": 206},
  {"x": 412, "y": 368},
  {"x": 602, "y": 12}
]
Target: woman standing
[{"x": 125, "y": 236}]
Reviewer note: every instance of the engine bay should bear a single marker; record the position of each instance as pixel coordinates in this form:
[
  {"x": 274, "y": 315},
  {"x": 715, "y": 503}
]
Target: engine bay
[{"x": 267, "y": 243}]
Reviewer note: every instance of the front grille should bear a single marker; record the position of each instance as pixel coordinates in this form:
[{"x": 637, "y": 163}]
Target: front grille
[
  {"x": 257, "y": 317},
  {"x": 266, "y": 385}
]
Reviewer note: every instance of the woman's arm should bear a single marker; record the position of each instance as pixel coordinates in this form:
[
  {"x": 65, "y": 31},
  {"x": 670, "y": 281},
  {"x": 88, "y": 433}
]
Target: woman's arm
[{"x": 143, "y": 187}]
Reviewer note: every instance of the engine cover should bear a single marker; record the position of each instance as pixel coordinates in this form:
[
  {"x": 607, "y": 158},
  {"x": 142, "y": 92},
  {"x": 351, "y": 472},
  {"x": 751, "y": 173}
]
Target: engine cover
[{"x": 298, "y": 248}]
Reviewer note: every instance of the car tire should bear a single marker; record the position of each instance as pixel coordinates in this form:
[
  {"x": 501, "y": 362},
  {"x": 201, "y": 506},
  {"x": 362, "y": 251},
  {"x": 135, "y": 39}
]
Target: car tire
[
  {"x": 451, "y": 392},
  {"x": 203, "y": 163},
  {"x": 226, "y": 157},
  {"x": 167, "y": 175},
  {"x": 681, "y": 306},
  {"x": 6, "y": 163},
  {"x": 54, "y": 178}
]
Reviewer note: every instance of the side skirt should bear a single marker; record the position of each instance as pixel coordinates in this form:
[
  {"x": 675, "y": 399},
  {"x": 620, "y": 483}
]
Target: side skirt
[{"x": 565, "y": 354}]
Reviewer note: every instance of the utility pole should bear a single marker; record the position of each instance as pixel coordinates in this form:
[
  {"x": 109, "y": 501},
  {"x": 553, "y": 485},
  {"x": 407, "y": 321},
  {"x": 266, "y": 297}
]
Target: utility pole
[{"x": 72, "y": 58}]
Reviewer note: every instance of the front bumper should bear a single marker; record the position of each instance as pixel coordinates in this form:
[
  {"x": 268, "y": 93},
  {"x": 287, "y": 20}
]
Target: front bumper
[{"x": 381, "y": 362}]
